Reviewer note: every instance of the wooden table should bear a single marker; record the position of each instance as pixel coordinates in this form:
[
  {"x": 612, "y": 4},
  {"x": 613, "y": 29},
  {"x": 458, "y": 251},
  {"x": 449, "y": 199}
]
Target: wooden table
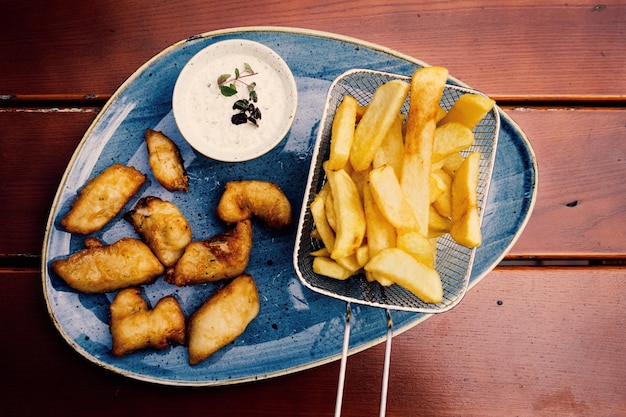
[{"x": 544, "y": 334}]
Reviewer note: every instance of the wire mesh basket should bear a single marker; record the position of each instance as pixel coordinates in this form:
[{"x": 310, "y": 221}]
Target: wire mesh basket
[{"x": 453, "y": 261}]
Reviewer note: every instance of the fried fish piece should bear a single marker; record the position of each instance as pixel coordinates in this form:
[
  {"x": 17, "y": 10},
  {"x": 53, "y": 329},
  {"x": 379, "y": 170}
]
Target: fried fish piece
[
  {"x": 135, "y": 326},
  {"x": 166, "y": 162},
  {"x": 162, "y": 226},
  {"x": 102, "y": 198},
  {"x": 100, "y": 269},
  {"x": 244, "y": 199},
  {"x": 222, "y": 318},
  {"x": 220, "y": 257}
]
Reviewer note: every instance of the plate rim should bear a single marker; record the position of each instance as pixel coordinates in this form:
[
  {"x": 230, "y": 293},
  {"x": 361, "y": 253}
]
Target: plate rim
[{"x": 331, "y": 358}]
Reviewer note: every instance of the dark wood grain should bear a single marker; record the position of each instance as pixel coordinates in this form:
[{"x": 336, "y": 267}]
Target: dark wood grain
[
  {"x": 526, "y": 341},
  {"x": 520, "y": 48},
  {"x": 520, "y": 344},
  {"x": 34, "y": 157},
  {"x": 581, "y": 155}
]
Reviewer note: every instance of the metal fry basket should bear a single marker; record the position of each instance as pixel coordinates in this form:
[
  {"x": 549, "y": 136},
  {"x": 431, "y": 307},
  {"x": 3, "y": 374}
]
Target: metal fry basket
[{"x": 453, "y": 261}]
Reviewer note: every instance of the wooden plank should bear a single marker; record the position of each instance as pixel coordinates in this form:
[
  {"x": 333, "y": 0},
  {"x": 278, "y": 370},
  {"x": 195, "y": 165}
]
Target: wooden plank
[
  {"x": 519, "y": 48},
  {"x": 580, "y": 210},
  {"x": 524, "y": 342},
  {"x": 34, "y": 157},
  {"x": 573, "y": 216}
]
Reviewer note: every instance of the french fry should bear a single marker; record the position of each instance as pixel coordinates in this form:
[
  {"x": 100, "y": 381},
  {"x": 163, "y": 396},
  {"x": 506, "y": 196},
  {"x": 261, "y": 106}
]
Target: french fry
[
  {"x": 418, "y": 246},
  {"x": 465, "y": 222},
  {"x": 465, "y": 184},
  {"x": 466, "y": 230},
  {"x": 320, "y": 252},
  {"x": 403, "y": 269},
  {"x": 363, "y": 255},
  {"x": 415, "y": 183},
  {"x": 451, "y": 137},
  {"x": 391, "y": 151},
  {"x": 469, "y": 109},
  {"x": 427, "y": 86},
  {"x": 437, "y": 224},
  {"x": 349, "y": 214},
  {"x": 372, "y": 276},
  {"x": 329, "y": 268},
  {"x": 379, "y": 232},
  {"x": 390, "y": 199},
  {"x": 342, "y": 133},
  {"x": 380, "y": 114},
  {"x": 360, "y": 179},
  {"x": 426, "y": 89},
  {"x": 318, "y": 212},
  {"x": 349, "y": 262},
  {"x": 452, "y": 163},
  {"x": 329, "y": 207},
  {"x": 443, "y": 202},
  {"x": 360, "y": 111},
  {"x": 441, "y": 113},
  {"x": 437, "y": 186}
]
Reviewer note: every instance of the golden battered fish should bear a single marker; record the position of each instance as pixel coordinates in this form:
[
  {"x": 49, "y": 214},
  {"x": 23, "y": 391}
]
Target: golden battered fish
[
  {"x": 219, "y": 257},
  {"x": 99, "y": 269},
  {"x": 166, "y": 162},
  {"x": 222, "y": 318},
  {"x": 102, "y": 198},
  {"x": 162, "y": 226},
  {"x": 135, "y": 326},
  {"x": 265, "y": 200}
]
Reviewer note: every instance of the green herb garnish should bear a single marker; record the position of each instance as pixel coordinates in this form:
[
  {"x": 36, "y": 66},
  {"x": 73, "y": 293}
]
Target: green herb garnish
[{"x": 227, "y": 84}]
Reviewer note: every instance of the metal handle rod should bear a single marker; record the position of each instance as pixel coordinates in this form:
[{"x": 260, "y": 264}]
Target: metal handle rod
[
  {"x": 344, "y": 357},
  {"x": 383, "y": 392}
]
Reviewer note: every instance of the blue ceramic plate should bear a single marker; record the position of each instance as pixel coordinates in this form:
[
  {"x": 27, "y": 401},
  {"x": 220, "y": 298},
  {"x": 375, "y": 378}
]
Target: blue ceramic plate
[{"x": 296, "y": 328}]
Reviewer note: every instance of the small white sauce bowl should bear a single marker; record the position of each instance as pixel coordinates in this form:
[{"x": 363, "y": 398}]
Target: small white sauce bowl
[{"x": 203, "y": 114}]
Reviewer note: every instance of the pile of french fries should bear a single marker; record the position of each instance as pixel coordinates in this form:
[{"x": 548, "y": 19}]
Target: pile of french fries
[{"x": 396, "y": 182}]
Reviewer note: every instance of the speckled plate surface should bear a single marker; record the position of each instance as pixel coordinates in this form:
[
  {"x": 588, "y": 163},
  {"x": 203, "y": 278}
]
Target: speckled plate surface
[{"x": 296, "y": 328}]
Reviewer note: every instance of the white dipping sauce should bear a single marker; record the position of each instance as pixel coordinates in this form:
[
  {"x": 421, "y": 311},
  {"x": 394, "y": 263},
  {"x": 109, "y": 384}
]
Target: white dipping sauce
[{"x": 204, "y": 115}]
